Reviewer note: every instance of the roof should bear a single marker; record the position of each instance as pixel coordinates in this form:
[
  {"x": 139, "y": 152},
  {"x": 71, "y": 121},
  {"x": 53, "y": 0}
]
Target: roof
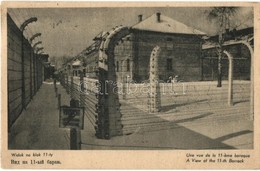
[
  {"x": 231, "y": 38},
  {"x": 227, "y": 43},
  {"x": 233, "y": 34},
  {"x": 76, "y": 63},
  {"x": 166, "y": 25}
]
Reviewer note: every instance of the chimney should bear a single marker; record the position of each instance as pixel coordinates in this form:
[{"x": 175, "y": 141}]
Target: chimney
[
  {"x": 140, "y": 18},
  {"x": 158, "y": 17}
]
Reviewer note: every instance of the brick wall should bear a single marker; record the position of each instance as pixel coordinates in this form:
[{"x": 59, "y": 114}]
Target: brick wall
[
  {"x": 124, "y": 62},
  {"x": 183, "y": 51},
  {"x": 241, "y": 62},
  {"x": 132, "y": 55}
]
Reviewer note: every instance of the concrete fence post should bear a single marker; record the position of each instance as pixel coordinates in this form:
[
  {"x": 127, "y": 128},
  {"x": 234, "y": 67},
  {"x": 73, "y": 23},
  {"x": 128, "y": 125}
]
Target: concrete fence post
[
  {"x": 154, "y": 99},
  {"x": 71, "y": 87},
  {"x": 108, "y": 121},
  {"x": 251, "y": 115},
  {"x": 56, "y": 92},
  {"x": 59, "y": 101},
  {"x": 67, "y": 84},
  {"x": 82, "y": 89},
  {"x": 230, "y": 78},
  {"x": 124, "y": 87}
]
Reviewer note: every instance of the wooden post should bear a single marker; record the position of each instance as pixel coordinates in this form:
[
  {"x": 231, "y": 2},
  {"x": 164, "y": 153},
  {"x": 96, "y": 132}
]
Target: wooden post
[
  {"x": 54, "y": 81},
  {"x": 75, "y": 139},
  {"x": 212, "y": 68},
  {"x": 59, "y": 102},
  {"x": 63, "y": 80},
  {"x": 42, "y": 73},
  {"x": 230, "y": 78},
  {"x": 55, "y": 87},
  {"x": 124, "y": 87},
  {"x": 56, "y": 92},
  {"x": 78, "y": 139},
  {"x": 201, "y": 69}
]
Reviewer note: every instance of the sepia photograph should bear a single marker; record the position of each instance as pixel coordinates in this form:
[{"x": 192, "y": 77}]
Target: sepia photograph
[{"x": 127, "y": 78}]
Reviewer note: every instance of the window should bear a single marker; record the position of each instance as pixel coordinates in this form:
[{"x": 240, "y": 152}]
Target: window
[
  {"x": 169, "y": 64},
  {"x": 117, "y": 66},
  {"x": 169, "y": 44},
  {"x": 84, "y": 72},
  {"x": 127, "y": 65}
]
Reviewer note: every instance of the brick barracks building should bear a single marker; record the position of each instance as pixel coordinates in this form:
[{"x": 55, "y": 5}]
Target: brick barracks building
[{"x": 182, "y": 52}]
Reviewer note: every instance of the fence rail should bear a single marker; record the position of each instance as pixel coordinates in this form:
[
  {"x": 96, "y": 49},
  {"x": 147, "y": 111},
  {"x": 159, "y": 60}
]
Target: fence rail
[{"x": 178, "y": 100}]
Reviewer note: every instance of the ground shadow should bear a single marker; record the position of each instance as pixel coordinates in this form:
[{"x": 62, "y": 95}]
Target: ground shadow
[
  {"x": 232, "y": 135},
  {"x": 174, "y": 106},
  {"x": 162, "y": 134},
  {"x": 241, "y": 101}
]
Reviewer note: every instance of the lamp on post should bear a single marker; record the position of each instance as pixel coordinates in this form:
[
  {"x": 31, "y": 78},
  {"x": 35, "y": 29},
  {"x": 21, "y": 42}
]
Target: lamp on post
[
  {"x": 34, "y": 46},
  {"x": 26, "y": 22},
  {"x": 34, "y": 36},
  {"x": 39, "y": 49},
  {"x": 22, "y": 28}
]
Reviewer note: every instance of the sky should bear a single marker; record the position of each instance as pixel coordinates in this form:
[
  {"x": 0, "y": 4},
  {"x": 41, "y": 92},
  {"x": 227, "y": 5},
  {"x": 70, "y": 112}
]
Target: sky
[{"x": 67, "y": 31}]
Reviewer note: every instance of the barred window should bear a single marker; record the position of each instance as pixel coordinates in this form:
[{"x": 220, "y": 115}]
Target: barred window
[
  {"x": 169, "y": 44},
  {"x": 117, "y": 66},
  {"x": 127, "y": 65},
  {"x": 169, "y": 64}
]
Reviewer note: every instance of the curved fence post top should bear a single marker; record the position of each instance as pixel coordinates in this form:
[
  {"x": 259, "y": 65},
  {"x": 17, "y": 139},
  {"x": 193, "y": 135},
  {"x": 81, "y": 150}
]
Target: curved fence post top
[{"x": 230, "y": 57}]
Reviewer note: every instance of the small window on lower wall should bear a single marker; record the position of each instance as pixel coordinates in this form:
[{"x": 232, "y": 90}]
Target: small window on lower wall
[
  {"x": 169, "y": 44},
  {"x": 84, "y": 72},
  {"x": 128, "y": 65},
  {"x": 117, "y": 66},
  {"x": 169, "y": 64}
]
